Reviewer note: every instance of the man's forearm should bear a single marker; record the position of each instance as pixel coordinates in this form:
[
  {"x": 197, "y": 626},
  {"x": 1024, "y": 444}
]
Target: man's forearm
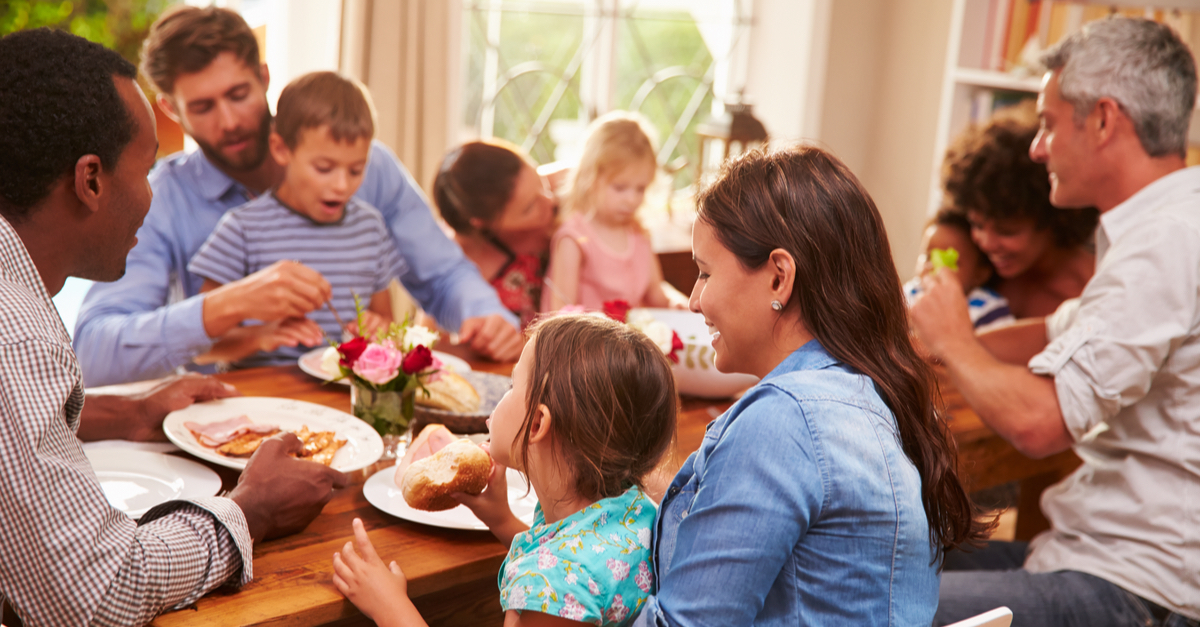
[
  {"x": 173, "y": 561},
  {"x": 107, "y": 417},
  {"x": 120, "y": 346},
  {"x": 1018, "y": 405}
]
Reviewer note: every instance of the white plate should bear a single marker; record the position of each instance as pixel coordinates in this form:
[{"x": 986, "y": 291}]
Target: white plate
[
  {"x": 135, "y": 481},
  {"x": 310, "y": 363},
  {"x": 382, "y": 492},
  {"x": 363, "y": 445}
]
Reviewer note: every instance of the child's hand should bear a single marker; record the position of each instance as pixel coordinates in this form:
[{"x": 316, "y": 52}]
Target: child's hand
[
  {"x": 492, "y": 507},
  {"x": 380, "y": 592},
  {"x": 373, "y": 323}
]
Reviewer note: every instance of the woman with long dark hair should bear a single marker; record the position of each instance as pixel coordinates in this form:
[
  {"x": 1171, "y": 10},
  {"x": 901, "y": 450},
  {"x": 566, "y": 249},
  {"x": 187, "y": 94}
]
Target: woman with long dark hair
[
  {"x": 827, "y": 493},
  {"x": 503, "y": 215}
]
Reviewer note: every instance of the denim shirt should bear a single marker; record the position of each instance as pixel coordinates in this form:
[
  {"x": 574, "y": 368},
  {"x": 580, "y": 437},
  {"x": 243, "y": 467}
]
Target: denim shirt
[
  {"x": 150, "y": 322},
  {"x": 799, "y": 508}
]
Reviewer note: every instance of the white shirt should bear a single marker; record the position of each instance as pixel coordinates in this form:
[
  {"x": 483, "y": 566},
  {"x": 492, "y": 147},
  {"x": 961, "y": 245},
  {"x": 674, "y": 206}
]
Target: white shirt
[{"x": 1127, "y": 373}]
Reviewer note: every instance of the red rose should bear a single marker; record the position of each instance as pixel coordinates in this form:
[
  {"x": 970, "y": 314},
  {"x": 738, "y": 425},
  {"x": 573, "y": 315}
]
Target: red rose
[
  {"x": 676, "y": 346},
  {"x": 617, "y": 309},
  {"x": 417, "y": 359},
  {"x": 351, "y": 351}
]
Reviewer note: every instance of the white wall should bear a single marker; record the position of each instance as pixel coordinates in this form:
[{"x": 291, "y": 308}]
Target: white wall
[
  {"x": 302, "y": 36},
  {"x": 861, "y": 78},
  {"x": 787, "y": 70}
]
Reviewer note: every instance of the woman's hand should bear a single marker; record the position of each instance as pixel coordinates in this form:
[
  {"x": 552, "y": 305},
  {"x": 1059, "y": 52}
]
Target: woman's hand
[
  {"x": 380, "y": 592},
  {"x": 492, "y": 507}
]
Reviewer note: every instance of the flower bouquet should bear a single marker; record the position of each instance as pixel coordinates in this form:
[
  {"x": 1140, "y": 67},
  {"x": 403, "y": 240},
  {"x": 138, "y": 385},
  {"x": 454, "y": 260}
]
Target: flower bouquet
[
  {"x": 385, "y": 372},
  {"x": 659, "y": 332}
]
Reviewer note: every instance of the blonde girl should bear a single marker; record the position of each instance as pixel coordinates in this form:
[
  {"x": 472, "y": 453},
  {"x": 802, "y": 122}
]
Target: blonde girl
[
  {"x": 601, "y": 252},
  {"x": 591, "y": 412}
]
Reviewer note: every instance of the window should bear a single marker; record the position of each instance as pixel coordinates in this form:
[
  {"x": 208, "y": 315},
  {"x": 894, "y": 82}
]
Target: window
[{"x": 537, "y": 72}]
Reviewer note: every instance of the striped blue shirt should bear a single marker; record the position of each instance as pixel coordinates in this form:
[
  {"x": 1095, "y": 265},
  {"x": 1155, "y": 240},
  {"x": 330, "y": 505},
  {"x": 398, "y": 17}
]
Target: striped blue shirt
[{"x": 356, "y": 255}]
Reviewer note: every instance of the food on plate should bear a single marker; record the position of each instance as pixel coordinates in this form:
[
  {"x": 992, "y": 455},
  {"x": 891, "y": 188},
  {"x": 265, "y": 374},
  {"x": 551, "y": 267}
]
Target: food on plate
[
  {"x": 215, "y": 434},
  {"x": 438, "y": 464},
  {"x": 319, "y": 446},
  {"x": 239, "y": 437},
  {"x": 245, "y": 444},
  {"x": 449, "y": 391}
]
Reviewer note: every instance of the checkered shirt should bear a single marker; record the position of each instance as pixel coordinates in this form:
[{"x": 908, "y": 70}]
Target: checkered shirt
[{"x": 66, "y": 556}]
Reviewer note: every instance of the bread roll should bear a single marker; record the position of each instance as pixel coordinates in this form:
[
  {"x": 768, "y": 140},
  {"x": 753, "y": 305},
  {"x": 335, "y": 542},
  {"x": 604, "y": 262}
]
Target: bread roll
[
  {"x": 450, "y": 392},
  {"x": 460, "y": 466}
]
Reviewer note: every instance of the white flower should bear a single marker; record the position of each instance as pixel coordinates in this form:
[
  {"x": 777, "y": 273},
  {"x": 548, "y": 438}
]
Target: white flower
[
  {"x": 660, "y": 334},
  {"x": 329, "y": 362},
  {"x": 418, "y": 336},
  {"x": 516, "y": 598},
  {"x": 572, "y": 578},
  {"x": 643, "y": 536},
  {"x": 639, "y": 319}
]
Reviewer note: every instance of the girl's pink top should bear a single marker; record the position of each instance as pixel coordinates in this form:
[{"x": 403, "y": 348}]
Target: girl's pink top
[{"x": 604, "y": 275}]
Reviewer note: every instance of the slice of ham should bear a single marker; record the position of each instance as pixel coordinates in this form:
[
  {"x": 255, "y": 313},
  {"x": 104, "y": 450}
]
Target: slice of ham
[
  {"x": 215, "y": 434},
  {"x": 430, "y": 440}
]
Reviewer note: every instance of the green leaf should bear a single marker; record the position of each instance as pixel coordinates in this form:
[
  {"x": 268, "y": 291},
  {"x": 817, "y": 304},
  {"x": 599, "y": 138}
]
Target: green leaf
[{"x": 944, "y": 258}]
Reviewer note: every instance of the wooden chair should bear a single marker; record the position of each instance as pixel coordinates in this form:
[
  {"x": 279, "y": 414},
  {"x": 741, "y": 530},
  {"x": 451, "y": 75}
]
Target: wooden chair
[{"x": 999, "y": 617}]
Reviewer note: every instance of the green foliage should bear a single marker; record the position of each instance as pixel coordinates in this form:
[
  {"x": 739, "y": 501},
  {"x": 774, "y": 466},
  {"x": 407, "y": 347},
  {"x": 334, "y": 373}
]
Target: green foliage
[
  {"x": 544, "y": 45},
  {"x": 117, "y": 24}
]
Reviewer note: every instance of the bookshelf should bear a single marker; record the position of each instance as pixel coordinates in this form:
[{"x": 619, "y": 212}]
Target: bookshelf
[{"x": 992, "y": 45}]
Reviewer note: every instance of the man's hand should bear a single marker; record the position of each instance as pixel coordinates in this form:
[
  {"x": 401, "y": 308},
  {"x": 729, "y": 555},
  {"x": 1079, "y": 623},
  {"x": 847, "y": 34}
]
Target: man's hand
[
  {"x": 241, "y": 342},
  {"x": 285, "y": 289},
  {"x": 280, "y": 494},
  {"x": 939, "y": 314},
  {"x": 493, "y": 337},
  {"x": 139, "y": 416}
]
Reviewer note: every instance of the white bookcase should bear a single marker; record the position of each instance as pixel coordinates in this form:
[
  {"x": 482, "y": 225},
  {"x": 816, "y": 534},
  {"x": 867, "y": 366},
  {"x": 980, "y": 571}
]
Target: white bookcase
[{"x": 967, "y": 84}]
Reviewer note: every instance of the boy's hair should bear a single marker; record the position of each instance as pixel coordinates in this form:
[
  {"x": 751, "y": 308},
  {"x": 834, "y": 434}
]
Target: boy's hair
[
  {"x": 186, "y": 39},
  {"x": 325, "y": 99},
  {"x": 611, "y": 395},
  {"x": 615, "y": 140}
]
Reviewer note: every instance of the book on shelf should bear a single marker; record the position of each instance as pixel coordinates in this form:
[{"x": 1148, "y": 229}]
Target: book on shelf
[{"x": 1017, "y": 30}]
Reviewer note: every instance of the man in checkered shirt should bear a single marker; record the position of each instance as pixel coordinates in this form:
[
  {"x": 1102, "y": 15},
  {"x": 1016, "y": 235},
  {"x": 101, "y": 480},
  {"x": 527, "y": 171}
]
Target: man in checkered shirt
[{"x": 77, "y": 138}]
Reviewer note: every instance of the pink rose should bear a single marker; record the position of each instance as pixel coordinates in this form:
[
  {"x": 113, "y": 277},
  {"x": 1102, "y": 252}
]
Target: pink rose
[{"x": 378, "y": 364}]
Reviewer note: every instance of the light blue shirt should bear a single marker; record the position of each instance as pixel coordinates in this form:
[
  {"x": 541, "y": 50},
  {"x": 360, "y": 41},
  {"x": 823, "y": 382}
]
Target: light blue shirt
[
  {"x": 149, "y": 323},
  {"x": 799, "y": 508},
  {"x": 592, "y": 566}
]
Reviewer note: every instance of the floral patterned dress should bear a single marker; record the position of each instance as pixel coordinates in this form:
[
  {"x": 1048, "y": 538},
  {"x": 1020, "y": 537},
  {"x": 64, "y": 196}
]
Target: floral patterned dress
[{"x": 593, "y": 566}]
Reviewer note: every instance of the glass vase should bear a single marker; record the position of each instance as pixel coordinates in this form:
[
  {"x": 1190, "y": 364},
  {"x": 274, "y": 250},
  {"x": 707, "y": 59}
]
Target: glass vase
[{"x": 389, "y": 413}]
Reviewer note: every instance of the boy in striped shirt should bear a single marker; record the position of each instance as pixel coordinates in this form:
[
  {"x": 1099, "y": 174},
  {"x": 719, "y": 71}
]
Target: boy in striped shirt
[{"x": 323, "y": 130}]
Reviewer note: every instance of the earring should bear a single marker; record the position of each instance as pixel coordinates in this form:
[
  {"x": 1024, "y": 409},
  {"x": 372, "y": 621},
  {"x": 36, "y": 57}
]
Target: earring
[{"x": 776, "y": 305}]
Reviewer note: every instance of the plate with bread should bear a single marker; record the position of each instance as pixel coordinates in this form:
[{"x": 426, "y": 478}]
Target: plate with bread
[
  {"x": 437, "y": 464},
  {"x": 322, "y": 364},
  {"x": 226, "y": 432}
]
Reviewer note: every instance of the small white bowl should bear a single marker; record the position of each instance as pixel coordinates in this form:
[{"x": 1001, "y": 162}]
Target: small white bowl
[{"x": 696, "y": 374}]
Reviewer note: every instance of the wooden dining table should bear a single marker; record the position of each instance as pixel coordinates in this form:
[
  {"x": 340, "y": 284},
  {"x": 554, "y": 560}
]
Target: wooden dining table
[{"x": 452, "y": 573}]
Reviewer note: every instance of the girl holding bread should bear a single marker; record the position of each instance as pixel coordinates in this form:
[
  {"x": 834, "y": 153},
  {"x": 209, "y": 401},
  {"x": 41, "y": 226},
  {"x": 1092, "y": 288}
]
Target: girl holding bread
[
  {"x": 591, "y": 412},
  {"x": 826, "y": 494}
]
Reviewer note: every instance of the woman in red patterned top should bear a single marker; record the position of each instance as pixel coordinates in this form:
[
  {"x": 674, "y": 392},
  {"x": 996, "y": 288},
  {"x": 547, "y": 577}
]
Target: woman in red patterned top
[{"x": 503, "y": 215}]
